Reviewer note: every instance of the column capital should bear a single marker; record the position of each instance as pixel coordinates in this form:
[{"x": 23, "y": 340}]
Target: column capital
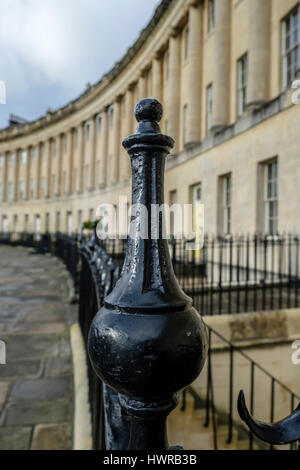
[
  {"x": 157, "y": 56},
  {"x": 194, "y": 3},
  {"x": 174, "y": 31},
  {"x": 131, "y": 86},
  {"x": 118, "y": 98}
]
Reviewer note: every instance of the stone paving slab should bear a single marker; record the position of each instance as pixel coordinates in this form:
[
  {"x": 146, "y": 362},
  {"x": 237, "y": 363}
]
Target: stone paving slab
[
  {"x": 36, "y": 384},
  {"x": 49, "y": 436},
  {"x": 15, "y": 437},
  {"x": 4, "y": 389},
  {"x": 34, "y": 328}
]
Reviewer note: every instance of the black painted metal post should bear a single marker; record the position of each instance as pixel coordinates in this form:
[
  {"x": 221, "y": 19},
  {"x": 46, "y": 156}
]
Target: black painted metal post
[{"x": 147, "y": 342}]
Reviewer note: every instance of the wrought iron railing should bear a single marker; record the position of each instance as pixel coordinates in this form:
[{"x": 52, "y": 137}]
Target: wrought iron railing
[
  {"x": 234, "y": 274},
  {"x": 145, "y": 340},
  {"x": 237, "y": 370}
]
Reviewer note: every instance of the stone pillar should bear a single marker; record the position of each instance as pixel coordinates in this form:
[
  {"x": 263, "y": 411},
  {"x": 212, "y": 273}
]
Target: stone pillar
[
  {"x": 173, "y": 95},
  {"x": 92, "y": 154},
  {"x": 48, "y": 156},
  {"x": 103, "y": 148},
  {"x": 259, "y": 51},
  {"x": 38, "y": 170},
  {"x": 16, "y": 174},
  {"x": 28, "y": 171},
  {"x": 59, "y": 145},
  {"x": 125, "y": 169},
  {"x": 142, "y": 85},
  {"x": 193, "y": 130},
  {"x": 80, "y": 156},
  {"x": 114, "y": 164},
  {"x": 221, "y": 90},
  {"x": 70, "y": 161},
  {"x": 157, "y": 77},
  {"x": 5, "y": 176}
]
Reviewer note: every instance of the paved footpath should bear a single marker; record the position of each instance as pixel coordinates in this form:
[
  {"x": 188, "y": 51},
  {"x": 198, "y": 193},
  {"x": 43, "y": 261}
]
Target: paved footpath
[{"x": 36, "y": 383}]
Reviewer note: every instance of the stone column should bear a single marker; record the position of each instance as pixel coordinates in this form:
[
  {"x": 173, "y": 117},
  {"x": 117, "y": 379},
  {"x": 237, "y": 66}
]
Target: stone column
[
  {"x": 16, "y": 174},
  {"x": 193, "y": 130},
  {"x": 103, "y": 148},
  {"x": 142, "y": 85},
  {"x": 221, "y": 91},
  {"x": 114, "y": 165},
  {"x": 28, "y": 171},
  {"x": 92, "y": 154},
  {"x": 157, "y": 77},
  {"x": 5, "y": 176},
  {"x": 59, "y": 142},
  {"x": 259, "y": 50},
  {"x": 125, "y": 169},
  {"x": 48, "y": 156},
  {"x": 80, "y": 156},
  {"x": 173, "y": 94},
  {"x": 70, "y": 161},
  {"x": 38, "y": 170}
]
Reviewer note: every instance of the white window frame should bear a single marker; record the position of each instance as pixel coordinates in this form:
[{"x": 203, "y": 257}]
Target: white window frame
[
  {"x": 226, "y": 203},
  {"x": 271, "y": 197},
  {"x": 290, "y": 52}
]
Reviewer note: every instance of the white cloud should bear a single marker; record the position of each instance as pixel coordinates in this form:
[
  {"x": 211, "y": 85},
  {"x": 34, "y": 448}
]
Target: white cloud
[{"x": 49, "y": 45}]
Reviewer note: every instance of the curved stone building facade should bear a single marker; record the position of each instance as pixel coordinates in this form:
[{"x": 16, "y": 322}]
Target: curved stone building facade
[{"x": 223, "y": 70}]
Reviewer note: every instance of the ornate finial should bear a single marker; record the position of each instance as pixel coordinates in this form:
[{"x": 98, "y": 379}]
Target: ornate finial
[
  {"x": 148, "y": 113},
  {"x": 148, "y": 109}
]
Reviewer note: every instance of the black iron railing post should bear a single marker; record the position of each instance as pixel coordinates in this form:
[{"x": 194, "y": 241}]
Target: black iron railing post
[{"x": 147, "y": 342}]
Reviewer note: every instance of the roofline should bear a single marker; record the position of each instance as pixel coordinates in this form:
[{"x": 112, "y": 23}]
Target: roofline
[{"x": 72, "y": 106}]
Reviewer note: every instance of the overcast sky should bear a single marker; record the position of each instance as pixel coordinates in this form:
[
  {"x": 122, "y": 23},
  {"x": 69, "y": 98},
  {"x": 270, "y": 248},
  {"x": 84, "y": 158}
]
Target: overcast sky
[{"x": 50, "y": 49}]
